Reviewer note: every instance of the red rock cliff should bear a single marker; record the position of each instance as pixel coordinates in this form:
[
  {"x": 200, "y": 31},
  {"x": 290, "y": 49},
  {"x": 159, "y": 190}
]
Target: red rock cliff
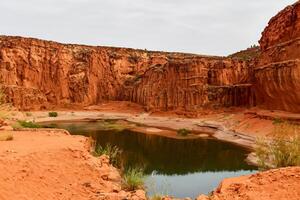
[
  {"x": 37, "y": 74},
  {"x": 277, "y": 75},
  {"x": 193, "y": 82}
]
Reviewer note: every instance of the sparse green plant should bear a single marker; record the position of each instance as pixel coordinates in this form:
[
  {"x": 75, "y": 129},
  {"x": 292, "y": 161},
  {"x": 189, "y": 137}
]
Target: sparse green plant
[
  {"x": 111, "y": 125},
  {"x": 133, "y": 179},
  {"x": 52, "y": 114},
  {"x": 6, "y": 136},
  {"x": 28, "y": 114},
  {"x": 277, "y": 121},
  {"x": 26, "y": 124},
  {"x": 282, "y": 150},
  {"x": 112, "y": 151},
  {"x": 183, "y": 132},
  {"x": 156, "y": 197}
]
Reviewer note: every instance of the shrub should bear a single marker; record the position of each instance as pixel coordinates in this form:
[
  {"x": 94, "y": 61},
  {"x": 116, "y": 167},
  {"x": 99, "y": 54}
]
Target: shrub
[
  {"x": 6, "y": 136},
  {"x": 277, "y": 121},
  {"x": 183, "y": 132},
  {"x": 27, "y": 124},
  {"x": 112, "y": 151},
  {"x": 133, "y": 179},
  {"x": 282, "y": 150},
  {"x": 52, "y": 114}
]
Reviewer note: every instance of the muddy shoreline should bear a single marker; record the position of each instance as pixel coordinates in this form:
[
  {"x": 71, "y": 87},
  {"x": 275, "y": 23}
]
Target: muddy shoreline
[{"x": 162, "y": 124}]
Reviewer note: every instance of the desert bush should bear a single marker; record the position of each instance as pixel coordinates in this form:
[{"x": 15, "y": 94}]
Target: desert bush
[
  {"x": 282, "y": 150},
  {"x": 183, "y": 132},
  {"x": 52, "y": 114},
  {"x": 112, "y": 151},
  {"x": 133, "y": 179},
  {"x": 6, "y": 136}
]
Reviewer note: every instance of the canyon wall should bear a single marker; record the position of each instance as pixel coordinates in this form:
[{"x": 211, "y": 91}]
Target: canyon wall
[
  {"x": 37, "y": 74},
  {"x": 193, "y": 82},
  {"x": 277, "y": 74}
]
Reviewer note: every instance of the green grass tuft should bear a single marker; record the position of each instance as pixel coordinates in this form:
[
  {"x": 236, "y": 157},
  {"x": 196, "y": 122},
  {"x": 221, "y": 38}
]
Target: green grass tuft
[
  {"x": 112, "y": 151},
  {"x": 26, "y": 124},
  {"x": 183, "y": 132},
  {"x": 133, "y": 179},
  {"x": 277, "y": 121}
]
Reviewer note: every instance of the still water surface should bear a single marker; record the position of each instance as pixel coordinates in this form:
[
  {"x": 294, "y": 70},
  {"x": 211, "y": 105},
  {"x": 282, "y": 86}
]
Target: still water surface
[{"x": 177, "y": 167}]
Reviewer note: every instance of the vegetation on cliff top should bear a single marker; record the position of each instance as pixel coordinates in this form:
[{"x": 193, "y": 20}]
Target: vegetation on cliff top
[{"x": 248, "y": 54}]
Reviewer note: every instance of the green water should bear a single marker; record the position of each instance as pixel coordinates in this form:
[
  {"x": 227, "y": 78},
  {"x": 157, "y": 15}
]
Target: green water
[{"x": 181, "y": 168}]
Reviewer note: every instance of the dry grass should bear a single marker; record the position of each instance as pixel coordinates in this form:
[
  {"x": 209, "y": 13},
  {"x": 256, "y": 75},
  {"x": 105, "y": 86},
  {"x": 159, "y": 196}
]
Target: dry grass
[
  {"x": 6, "y": 136},
  {"x": 282, "y": 150},
  {"x": 133, "y": 179}
]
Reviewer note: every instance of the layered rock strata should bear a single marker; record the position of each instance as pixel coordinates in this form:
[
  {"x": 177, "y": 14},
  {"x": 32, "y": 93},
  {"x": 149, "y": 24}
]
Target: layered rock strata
[
  {"x": 36, "y": 74},
  {"x": 277, "y": 74}
]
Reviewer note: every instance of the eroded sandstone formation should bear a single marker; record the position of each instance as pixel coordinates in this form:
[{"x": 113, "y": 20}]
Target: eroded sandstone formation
[
  {"x": 193, "y": 82},
  {"x": 277, "y": 74},
  {"x": 279, "y": 184},
  {"x": 37, "y": 74}
]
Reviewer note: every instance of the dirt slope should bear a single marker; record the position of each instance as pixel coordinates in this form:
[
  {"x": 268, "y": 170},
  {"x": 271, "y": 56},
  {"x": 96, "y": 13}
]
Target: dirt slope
[{"x": 51, "y": 165}]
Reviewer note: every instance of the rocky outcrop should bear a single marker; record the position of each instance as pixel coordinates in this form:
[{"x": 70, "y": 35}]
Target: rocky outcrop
[
  {"x": 277, "y": 74},
  {"x": 279, "y": 184},
  {"x": 39, "y": 74}
]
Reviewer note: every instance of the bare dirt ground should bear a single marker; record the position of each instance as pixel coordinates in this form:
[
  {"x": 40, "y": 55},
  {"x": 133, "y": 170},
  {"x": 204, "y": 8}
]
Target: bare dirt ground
[{"x": 39, "y": 165}]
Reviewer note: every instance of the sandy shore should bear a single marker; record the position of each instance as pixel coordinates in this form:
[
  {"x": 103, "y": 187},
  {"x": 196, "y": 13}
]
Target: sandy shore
[{"x": 238, "y": 128}]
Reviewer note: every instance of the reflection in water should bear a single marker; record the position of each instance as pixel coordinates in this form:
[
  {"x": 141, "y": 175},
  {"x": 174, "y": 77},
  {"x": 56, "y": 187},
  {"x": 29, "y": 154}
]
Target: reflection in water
[{"x": 177, "y": 167}]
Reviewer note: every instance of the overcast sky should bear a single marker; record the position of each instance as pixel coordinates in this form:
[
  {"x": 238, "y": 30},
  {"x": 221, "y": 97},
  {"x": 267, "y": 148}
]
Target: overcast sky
[{"x": 215, "y": 27}]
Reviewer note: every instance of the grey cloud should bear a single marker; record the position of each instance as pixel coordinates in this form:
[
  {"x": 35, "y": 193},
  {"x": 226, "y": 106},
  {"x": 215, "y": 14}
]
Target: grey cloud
[{"x": 199, "y": 26}]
